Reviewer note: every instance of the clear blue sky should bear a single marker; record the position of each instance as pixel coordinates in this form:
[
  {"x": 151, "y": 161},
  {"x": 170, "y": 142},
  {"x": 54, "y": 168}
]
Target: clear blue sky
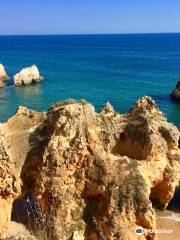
[{"x": 88, "y": 16}]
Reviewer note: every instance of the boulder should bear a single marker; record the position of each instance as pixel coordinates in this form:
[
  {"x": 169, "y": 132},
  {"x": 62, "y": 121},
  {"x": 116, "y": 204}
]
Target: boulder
[
  {"x": 176, "y": 92},
  {"x": 3, "y": 76},
  {"x": 27, "y": 76},
  {"x": 95, "y": 175}
]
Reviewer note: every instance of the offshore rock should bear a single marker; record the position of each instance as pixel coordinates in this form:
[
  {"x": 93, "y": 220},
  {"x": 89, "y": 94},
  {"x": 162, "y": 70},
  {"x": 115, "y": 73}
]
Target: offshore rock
[
  {"x": 176, "y": 92},
  {"x": 3, "y": 76},
  {"x": 95, "y": 175},
  {"x": 27, "y": 76}
]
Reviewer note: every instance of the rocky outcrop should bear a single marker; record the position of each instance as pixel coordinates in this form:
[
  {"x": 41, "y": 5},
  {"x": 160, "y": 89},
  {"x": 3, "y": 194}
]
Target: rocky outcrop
[
  {"x": 18, "y": 231},
  {"x": 95, "y": 175},
  {"x": 27, "y": 76},
  {"x": 3, "y": 76},
  {"x": 176, "y": 92},
  {"x": 14, "y": 146}
]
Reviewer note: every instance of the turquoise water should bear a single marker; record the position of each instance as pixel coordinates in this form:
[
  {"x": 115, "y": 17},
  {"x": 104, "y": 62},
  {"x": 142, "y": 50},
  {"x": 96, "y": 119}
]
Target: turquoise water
[{"x": 99, "y": 68}]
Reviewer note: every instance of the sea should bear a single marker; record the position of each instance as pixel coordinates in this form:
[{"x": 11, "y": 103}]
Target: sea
[{"x": 119, "y": 68}]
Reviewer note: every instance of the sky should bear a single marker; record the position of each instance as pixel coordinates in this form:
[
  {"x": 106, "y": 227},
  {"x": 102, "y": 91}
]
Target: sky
[{"x": 88, "y": 16}]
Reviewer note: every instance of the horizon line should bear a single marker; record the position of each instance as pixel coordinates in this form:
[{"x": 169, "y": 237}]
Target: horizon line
[{"x": 78, "y": 34}]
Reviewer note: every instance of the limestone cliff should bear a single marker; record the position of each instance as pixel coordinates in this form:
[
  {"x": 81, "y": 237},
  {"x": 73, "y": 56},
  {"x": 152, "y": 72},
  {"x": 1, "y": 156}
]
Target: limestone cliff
[
  {"x": 27, "y": 76},
  {"x": 3, "y": 76},
  {"x": 95, "y": 175}
]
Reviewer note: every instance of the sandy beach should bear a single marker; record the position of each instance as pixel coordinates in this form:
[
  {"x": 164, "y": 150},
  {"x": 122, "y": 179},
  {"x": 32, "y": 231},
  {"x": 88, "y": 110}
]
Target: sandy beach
[{"x": 168, "y": 220}]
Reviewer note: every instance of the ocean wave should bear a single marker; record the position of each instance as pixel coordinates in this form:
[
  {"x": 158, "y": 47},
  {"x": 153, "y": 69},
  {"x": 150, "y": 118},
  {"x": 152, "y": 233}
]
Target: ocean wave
[{"x": 173, "y": 217}]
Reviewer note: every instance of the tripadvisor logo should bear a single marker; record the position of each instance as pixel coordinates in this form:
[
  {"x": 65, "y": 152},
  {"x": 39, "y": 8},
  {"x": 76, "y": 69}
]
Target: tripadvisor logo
[{"x": 139, "y": 231}]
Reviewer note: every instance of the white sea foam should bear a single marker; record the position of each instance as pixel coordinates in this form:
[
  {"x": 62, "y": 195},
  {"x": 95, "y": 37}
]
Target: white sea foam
[{"x": 172, "y": 217}]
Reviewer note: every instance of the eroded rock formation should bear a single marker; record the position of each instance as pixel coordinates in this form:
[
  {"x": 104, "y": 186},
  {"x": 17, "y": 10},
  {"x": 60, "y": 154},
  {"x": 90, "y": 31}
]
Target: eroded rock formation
[
  {"x": 95, "y": 175},
  {"x": 14, "y": 146},
  {"x": 3, "y": 76},
  {"x": 27, "y": 76}
]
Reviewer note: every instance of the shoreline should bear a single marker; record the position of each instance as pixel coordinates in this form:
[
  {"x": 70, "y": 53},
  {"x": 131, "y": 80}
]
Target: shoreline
[{"x": 164, "y": 222}]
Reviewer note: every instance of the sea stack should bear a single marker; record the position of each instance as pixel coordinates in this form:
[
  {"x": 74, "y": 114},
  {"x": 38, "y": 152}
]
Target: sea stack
[
  {"x": 176, "y": 92},
  {"x": 27, "y": 76},
  {"x": 93, "y": 174},
  {"x": 3, "y": 76}
]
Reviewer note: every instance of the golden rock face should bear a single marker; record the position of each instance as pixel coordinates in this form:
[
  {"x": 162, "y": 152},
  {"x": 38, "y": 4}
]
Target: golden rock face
[{"x": 95, "y": 175}]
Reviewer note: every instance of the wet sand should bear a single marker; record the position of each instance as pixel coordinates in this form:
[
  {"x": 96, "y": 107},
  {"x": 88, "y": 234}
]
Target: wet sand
[{"x": 168, "y": 220}]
